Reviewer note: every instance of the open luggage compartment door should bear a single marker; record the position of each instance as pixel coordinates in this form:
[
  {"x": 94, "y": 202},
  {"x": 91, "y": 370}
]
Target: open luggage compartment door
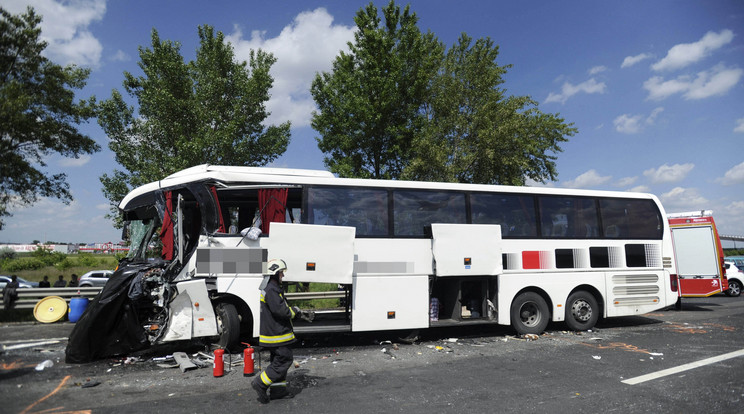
[
  {"x": 467, "y": 249},
  {"x": 313, "y": 253}
]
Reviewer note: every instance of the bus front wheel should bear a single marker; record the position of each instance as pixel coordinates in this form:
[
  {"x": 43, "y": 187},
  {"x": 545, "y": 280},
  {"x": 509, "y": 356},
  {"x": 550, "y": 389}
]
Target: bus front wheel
[
  {"x": 228, "y": 326},
  {"x": 529, "y": 313},
  {"x": 582, "y": 311}
]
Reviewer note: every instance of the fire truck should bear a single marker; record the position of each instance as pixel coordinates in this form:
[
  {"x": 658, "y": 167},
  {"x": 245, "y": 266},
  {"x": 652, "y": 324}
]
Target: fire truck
[{"x": 698, "y": 254}]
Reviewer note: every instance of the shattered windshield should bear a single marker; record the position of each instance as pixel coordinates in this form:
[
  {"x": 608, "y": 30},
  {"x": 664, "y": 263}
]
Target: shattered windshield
[{"x": 143, "y": 242}]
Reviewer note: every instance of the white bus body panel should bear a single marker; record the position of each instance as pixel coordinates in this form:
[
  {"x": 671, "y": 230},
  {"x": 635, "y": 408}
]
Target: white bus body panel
[
  {"x": 467, "y": 249},
  {"x": 391, "y": 275},
  {"x": 375, "y": 297},
  {"x": 329, "y": 248},
  {"x": 191, "y": 311}
]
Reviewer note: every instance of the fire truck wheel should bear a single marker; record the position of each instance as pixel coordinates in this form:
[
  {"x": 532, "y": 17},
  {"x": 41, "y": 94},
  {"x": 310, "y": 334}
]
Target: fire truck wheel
[
  {"x": 529, "y": 313},
  {"x": 734, "y": 289},
  {"x": 582, "y": 311},
  {"x": 228, "y": 326}
]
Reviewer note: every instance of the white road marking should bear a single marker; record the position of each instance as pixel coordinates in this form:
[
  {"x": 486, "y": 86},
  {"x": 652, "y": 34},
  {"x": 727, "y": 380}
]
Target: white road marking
[{"x": 685, "y": 367}]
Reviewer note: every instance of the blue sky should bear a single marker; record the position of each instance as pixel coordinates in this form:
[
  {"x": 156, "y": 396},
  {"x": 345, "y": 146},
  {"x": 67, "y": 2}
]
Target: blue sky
[{"x": 656, "y": 88}]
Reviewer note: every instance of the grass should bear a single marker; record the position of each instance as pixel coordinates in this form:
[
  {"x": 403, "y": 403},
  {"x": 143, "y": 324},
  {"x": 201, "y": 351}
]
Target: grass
[
  {"x": 104, "y": 262},
  {"x": 316, "y": 303}
]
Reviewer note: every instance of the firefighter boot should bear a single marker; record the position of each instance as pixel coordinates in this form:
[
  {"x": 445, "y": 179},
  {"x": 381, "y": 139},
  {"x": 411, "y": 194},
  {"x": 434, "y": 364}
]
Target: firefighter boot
[
  {"x": 279, "y": 391},
  {"x": 261, "y": 389}
]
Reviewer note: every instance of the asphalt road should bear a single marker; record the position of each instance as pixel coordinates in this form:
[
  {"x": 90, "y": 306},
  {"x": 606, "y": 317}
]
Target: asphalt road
[{"x": 456, "y": 370}]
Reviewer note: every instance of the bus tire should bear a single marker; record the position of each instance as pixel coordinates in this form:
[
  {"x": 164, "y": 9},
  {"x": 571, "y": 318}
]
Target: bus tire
[
  {"x": 582, "y": 311},
  {"x": 734, "y": 289},
  {"x": 529, "y": 313},
  {"x": 228, "y": 326}
]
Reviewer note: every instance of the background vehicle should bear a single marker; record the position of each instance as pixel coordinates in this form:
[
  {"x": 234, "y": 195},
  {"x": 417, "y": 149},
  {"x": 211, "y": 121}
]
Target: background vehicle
[
  {"x": 23, "y": 283},
  {"x": 95, "y": 278},
  {"x": 698, "y": 254},
  {"x": 735, "y": 276}
]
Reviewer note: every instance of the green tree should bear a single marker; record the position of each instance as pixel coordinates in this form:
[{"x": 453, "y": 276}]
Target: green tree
[
  {"x": 369, "y": 105},
  {"x": 476, "y": 133},
  {"x": 38, "y": 114},
  {"x": 209, "y": 110}
]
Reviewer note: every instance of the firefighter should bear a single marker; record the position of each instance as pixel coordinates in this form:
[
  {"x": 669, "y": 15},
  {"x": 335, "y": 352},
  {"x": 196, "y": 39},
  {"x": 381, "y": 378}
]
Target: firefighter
[{"x": 276, "y": 335}]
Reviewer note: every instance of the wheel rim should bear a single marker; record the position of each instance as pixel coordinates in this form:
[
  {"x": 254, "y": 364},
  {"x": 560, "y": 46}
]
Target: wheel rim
[
  {"x": 581, "y": 310},
  {"x": 529, "y": 314},
  {"x": 735, "y": 289}
]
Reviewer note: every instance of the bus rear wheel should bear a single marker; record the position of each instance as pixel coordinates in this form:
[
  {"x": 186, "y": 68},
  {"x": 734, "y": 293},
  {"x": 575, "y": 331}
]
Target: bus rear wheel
[
  {"x": 529, "y": 313},
  {"x": 582, "y": 311},
  {"x": 228, "y": 326}
]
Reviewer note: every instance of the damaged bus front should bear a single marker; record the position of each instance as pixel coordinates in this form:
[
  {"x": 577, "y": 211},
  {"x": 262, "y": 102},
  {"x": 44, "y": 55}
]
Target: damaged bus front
[
  {"x": 154, "y": 295},
  {"x": 190, "y": 273}
]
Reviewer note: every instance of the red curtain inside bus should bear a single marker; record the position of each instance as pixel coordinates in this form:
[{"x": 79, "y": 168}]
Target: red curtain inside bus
[
  {"x": 273, "y": 201},
  {"x": 166, "y": 230},
  {"x": 221, "y": 229}
]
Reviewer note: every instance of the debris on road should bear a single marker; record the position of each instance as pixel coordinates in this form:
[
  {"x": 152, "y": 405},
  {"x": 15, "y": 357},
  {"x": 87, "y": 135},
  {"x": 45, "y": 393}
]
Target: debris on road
[{"x": 46, "y": 364}]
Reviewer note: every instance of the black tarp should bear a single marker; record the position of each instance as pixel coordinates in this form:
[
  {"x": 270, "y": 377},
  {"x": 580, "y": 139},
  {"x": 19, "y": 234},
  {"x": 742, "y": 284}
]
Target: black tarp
[{"x": 110, "y": 325}]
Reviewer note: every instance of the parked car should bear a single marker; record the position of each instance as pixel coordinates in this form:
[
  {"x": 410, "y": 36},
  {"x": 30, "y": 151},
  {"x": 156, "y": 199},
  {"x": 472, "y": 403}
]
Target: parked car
[
  {"x": 735, "y": 276},
  {"x": 95, "y": 278},
  {"x": 22, "y": 283}
]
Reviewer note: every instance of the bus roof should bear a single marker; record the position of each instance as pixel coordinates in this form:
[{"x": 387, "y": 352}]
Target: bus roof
[{"x": 260, "y": 175}]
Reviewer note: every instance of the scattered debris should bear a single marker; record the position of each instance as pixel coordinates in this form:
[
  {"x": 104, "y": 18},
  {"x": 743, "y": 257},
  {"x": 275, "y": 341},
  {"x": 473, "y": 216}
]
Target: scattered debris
[
  {"x": 531, "y": 337},
  {"x": 451, "y": 340},
  {"x": 90, "y": 384},
  {"x": 46, "y": 364},
  {"x": 183, "y": 361},
  {"x": 596, "y": 357}
]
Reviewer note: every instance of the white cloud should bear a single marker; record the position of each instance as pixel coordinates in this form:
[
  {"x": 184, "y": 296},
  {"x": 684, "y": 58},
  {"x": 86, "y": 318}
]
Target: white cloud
[
  {"x": 684, "y": 54},
  {"x": 626, "y": 181},
  {"x": 64, "y": 27},
  {"x": 680, "y": 199},
  {"x": 568, "y": 90},
  {"x": 716, "y": 81},
  {"x": 632, "y": 124},
  {"x": 669, "y": 173},
  {"x": 733, "y": 176},
  {"x": 739, "y": 125},
  {"x": 632, "y": 60},
  {"x": 597, "y": 69},
  {"x": 75, "y": 162},
  {"x": 640, "y": 189},
  {"x": 588, "y": 179},
  {"x": 306, "y": 46},
  {"x": 120, "y": 56}
]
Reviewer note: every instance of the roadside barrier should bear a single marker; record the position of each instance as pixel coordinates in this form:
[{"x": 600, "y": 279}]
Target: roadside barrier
[{"x": 29, "y": 297}]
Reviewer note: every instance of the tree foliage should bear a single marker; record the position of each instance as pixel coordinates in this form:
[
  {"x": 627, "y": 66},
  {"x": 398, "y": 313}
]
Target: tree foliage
[
  {"x": 398, "y": 106},
  {"x": 475, "y": 132},
  {"x": 38, "y": 114},
  {"x": 209, "y": 110},
  {"x": 369, "y": 104}
]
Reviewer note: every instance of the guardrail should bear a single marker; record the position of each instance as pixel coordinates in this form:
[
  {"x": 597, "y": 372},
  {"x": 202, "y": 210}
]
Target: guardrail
[{"x": 29, "y": 297}]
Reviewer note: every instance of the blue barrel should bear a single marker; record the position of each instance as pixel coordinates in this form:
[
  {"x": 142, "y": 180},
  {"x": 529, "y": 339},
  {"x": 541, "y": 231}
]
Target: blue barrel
[{"x": 77, "y": 307}]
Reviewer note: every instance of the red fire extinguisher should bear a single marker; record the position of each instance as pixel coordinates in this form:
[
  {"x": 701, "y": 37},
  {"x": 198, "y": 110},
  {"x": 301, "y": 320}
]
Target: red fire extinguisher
[
  {"x": 219, "y": 362},
  {"x": 248, "y": 361}
]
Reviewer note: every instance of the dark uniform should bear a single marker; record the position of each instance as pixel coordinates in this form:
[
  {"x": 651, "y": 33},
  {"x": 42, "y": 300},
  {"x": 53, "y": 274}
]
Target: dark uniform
[{"x": 276, "y": 335}]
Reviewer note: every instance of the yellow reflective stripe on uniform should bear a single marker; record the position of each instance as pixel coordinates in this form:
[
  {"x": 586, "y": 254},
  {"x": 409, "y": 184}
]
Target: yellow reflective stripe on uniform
[
  {"x": 277, "y": 339},
  {"x": 292, "y": 312},
  {"x": 262, "y": 297},
  {"x": 279, "y": 384},
  {"x": 265, "y": 379}
]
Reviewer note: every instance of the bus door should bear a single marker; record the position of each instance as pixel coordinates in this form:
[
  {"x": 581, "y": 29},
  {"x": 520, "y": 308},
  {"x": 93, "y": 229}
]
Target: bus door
[{"x": 467, "y": 258}]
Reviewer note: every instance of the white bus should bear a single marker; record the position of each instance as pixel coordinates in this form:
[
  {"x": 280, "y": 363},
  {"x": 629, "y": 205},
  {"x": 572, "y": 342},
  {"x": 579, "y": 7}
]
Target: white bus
[{"x": 405, "y": 255}]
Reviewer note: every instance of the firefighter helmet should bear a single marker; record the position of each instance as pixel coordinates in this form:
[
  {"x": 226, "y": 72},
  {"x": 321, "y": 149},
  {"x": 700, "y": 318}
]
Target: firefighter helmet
[{"x": 276, "y": 265}]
